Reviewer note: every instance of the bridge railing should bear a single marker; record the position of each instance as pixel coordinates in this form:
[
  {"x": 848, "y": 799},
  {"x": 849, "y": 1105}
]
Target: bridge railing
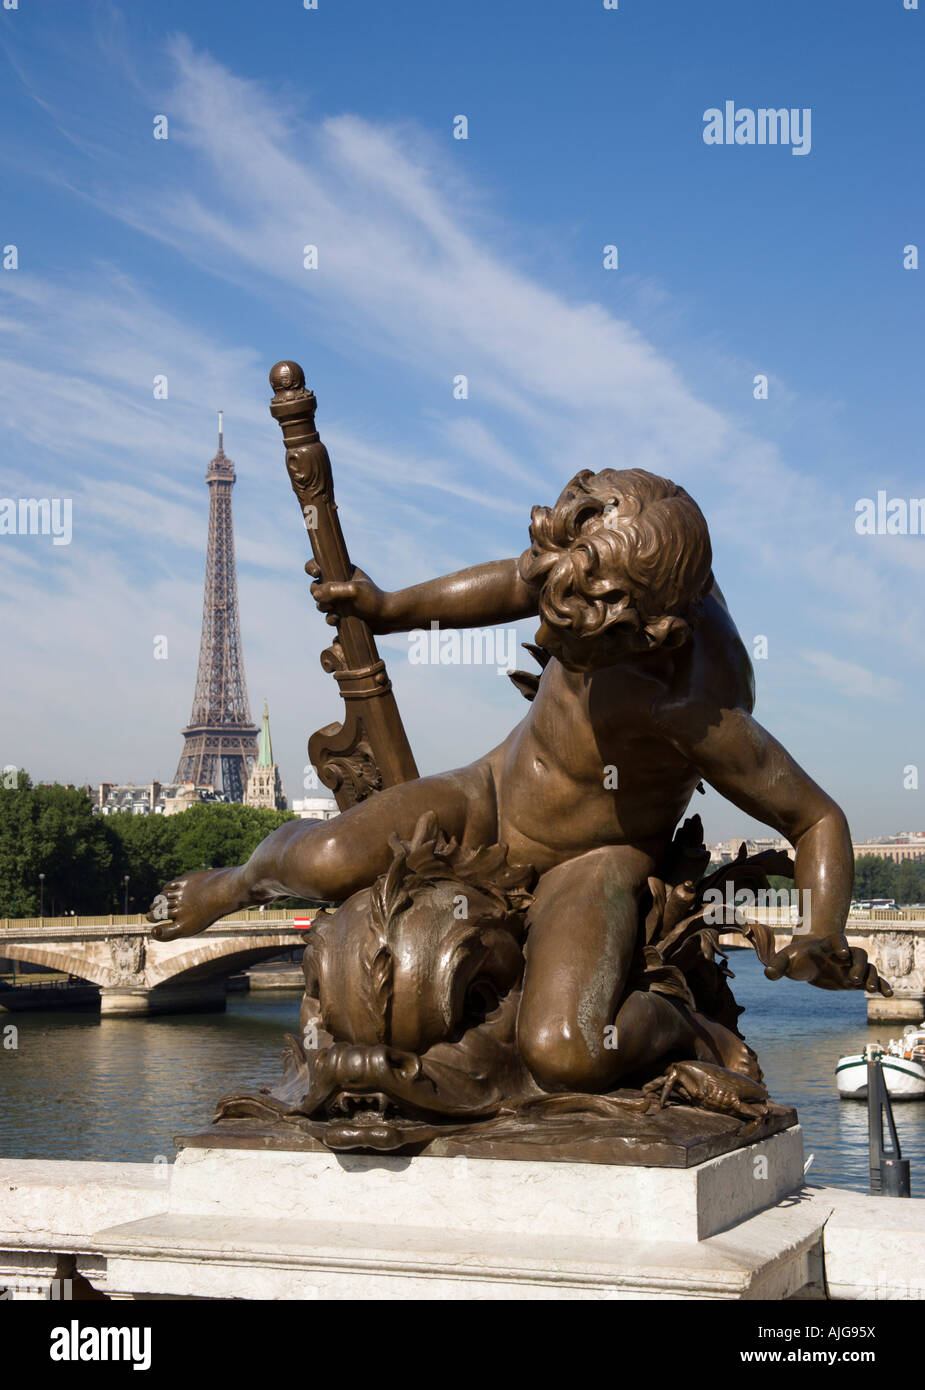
[
  {"x": 138, "y": 919},
  {"x": 255, "y": 914},
  {"x": 45, "y": 982},
  {"x": 892, "y": 914},
  {"x": 787, "y": 914}
]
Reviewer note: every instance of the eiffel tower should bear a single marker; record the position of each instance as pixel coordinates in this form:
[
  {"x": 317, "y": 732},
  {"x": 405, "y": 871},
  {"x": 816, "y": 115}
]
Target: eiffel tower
[{"x": 221, "y": 734}]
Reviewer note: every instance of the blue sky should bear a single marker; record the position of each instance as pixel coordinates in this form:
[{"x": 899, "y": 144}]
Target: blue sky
[{"x": 438, "y": 257}]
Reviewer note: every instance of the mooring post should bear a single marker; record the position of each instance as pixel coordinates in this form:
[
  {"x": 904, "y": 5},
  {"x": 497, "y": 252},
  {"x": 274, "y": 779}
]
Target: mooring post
[{"x": 889, "y": 1171}]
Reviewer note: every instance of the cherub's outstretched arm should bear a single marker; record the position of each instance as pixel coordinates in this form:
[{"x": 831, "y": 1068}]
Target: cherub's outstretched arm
[
  {"x": 756, "y": 773},
  {"x": 480, "y": 596}
]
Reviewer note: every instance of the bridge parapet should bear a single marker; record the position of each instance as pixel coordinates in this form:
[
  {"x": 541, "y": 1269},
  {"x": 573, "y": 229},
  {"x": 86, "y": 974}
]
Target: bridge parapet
[
  {"x": 895, "y": 944},
  {"x": 138, "y": 974},
  {"x": 122, "y": 922},
  {"x": 135, "y": 973}
]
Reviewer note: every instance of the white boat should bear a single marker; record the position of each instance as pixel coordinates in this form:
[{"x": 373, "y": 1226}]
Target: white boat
[{"x": 902, "y": 1061}]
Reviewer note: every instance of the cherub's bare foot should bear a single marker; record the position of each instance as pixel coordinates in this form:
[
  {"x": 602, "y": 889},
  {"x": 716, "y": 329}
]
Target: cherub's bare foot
[
  {"x": 188, "y": 905},
  {"x": 723, "y": 1046}
]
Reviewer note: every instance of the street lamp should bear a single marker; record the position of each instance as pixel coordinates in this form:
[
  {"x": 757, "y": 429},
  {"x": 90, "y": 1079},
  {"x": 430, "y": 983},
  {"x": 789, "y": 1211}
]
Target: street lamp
[
  {"x": 41, "y": 895},
  {"x": 125, "y": 904}
]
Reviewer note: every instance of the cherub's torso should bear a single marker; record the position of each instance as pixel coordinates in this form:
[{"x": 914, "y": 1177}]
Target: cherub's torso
[{"x": 597, "y": 760}]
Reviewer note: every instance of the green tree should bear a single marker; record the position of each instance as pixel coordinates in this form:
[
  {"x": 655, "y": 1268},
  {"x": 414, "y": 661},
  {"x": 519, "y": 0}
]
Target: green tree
[
  {"x": 155, "y": 849},
  {"x": 85, "y": 856},
  {"x": 910, "y": 882},
  {"x": 51, "y": 830},
  {"x": 146, "y": 850},
  {"x": 778, "y": 882},
  {"x": 212, "y": 836},
  {"x": 874, "y": 877}
]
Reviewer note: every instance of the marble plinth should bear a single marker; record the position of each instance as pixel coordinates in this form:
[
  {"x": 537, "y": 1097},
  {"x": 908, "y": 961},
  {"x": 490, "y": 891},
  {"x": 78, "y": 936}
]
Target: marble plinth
[{"x": 305, "y": 1225}]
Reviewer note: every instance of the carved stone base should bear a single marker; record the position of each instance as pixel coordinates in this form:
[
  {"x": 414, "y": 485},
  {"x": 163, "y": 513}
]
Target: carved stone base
[
  {"x": 491, "y": 1197},
  {"x": 297, "y": 1226},
  {"x": 677, "y": 1137}
]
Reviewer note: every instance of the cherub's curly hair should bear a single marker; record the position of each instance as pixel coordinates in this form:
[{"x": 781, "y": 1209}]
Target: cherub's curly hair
[{"x": 620, "y": 549}]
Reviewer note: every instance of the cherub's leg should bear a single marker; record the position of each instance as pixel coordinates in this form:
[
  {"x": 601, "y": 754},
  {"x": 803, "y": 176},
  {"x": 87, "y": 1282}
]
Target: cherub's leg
[
  {"x": 582, "y": 930},
  {"x": 332, "y": 859},
  {"x": 575, "y": 1030}
]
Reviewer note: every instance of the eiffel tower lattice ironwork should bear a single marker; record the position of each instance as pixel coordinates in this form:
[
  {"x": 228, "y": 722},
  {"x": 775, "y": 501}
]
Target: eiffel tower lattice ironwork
[{"x": 221, "y": 736}]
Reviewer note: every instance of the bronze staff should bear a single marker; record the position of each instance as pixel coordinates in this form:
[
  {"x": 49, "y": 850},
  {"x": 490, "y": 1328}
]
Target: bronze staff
[{"x": 370, "y": 749}]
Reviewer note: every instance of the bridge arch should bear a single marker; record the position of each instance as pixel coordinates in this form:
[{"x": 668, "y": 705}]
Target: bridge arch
[{"x": 66, "y": 957}]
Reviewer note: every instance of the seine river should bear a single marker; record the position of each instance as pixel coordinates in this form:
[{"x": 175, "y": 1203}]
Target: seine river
[{"x": 83, "y": 1087}]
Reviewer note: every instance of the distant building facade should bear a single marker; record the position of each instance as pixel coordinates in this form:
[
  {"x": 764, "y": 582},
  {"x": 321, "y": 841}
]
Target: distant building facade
[
  {"x": 182, "y": 795},
  {"x": 151, "y": 798},
  {"x": 906, "y": 845},
  {"x": 315, "y": 808},
  {"x": 726, "y": 850}
]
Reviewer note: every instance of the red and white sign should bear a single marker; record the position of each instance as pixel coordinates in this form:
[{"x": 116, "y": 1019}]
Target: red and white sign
[{"x": 302, "y": 923}]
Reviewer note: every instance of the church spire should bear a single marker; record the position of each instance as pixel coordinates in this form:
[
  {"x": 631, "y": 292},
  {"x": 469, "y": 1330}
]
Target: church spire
[
  {"x": 265, "y": 746},
  {"x": 264, "y": 787}
]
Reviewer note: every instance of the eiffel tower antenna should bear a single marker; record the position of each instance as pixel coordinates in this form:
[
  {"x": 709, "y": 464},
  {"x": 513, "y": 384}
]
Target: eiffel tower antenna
[{"x": 220, "y": 740}]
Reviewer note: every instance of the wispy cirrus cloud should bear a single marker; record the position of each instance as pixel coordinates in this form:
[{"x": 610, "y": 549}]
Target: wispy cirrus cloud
[{"x": 852, "y": 679}]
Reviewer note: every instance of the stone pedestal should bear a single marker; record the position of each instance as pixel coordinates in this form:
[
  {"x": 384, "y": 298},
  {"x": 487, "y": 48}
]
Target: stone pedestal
[
  {"x": 252, "y": 1223},
  {"x": 486, "y": 1196},
  {"x": 305, "y": 1225}
]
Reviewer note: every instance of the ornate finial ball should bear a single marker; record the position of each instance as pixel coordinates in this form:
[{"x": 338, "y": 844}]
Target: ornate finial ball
[{"x": 287, "y": 376}]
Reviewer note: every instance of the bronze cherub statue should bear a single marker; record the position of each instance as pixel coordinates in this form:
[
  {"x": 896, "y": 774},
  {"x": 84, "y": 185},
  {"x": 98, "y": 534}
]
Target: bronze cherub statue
[{"x": 528, "y": 936}]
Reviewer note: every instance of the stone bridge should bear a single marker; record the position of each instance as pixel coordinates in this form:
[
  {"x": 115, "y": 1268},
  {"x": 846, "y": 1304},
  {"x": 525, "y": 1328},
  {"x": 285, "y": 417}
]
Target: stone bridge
[
  {"x": 894, "y": 942},
  {"x": 138, "y": 975}
]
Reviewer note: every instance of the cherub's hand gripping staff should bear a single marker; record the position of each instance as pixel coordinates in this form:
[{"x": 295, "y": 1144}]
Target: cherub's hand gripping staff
[{"x": 370, "y": 749}]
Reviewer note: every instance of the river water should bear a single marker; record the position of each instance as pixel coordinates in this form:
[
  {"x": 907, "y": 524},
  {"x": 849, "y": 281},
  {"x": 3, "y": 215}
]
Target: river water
[{"x": 80, "y": 1086}]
